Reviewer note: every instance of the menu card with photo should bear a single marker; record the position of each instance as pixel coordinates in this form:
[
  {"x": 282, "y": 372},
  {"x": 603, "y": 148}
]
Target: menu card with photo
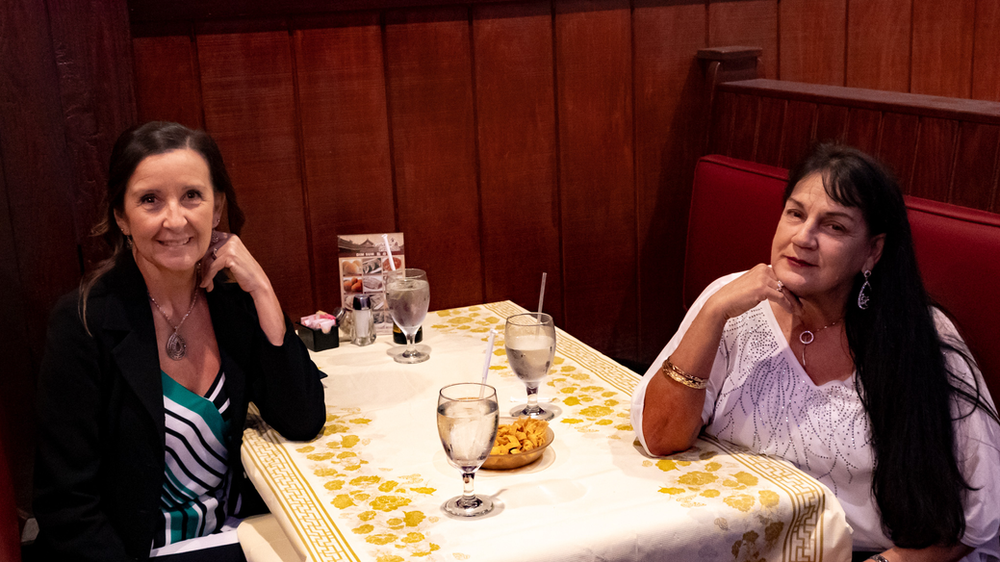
[{"x": 364, "y": 262}]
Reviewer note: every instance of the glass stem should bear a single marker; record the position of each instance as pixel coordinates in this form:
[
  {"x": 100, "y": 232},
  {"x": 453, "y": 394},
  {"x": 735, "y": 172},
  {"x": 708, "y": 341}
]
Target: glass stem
[
  {"x": 532, "y": 397},
  {"x": 468, "y": 492},
  {"x": 410, "y": 351}
]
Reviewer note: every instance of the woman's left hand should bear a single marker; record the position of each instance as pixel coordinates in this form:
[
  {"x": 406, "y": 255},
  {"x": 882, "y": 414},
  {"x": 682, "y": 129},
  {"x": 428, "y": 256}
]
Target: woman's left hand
[{"x": 228, "y": 252}]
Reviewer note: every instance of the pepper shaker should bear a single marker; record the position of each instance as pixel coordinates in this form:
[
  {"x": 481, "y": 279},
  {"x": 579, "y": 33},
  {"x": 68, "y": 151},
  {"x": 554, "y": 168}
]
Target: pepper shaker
[{"x": 364, "y": 322}]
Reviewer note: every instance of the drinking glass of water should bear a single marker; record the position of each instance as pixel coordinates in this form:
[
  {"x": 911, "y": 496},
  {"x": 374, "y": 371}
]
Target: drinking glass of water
[
  {"x": 467, "y": 417},
  {"x": 408, "y": 296},
  {"x": 530, "y": 339}
]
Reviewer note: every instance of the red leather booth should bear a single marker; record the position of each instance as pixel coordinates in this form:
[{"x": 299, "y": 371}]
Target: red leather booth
[{"x": 736, "y": 204}]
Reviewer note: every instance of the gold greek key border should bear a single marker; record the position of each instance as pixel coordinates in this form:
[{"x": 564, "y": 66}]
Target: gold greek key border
[
  {"x": 316, "y": 530},
  {"x": 804, "y": 536},
  {"x": 571, "y": 348}
]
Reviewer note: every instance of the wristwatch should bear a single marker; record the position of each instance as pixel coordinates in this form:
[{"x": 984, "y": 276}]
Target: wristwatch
[{"x": 878, "y": 558}]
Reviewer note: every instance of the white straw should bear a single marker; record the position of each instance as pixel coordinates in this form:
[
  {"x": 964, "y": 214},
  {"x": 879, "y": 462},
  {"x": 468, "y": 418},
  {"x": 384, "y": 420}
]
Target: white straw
[
  {"x": 392, "y": 262},
  {"x": 486, "y": 364},
  {"x": 541, "y": 294}
]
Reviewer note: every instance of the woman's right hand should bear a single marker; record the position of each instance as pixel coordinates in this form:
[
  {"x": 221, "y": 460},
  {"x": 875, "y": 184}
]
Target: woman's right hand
[{"x": 748, "y": 290}]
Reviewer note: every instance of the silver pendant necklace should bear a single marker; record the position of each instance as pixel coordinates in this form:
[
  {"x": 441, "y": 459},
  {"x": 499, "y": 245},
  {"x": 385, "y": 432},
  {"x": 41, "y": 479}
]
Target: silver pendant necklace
[
  {"x": 176, "y": 347},
  {"x": 806, "y": 337}
]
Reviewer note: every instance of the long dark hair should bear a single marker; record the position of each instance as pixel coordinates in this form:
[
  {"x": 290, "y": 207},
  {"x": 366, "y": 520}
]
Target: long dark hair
[
  {"x": 132, "y": 147},
  {"x": 902, "y": 378}
]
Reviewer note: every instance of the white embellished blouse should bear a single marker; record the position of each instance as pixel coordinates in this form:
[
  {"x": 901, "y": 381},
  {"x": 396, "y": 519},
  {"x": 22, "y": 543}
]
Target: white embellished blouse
[{"x": 759, "y": 396}]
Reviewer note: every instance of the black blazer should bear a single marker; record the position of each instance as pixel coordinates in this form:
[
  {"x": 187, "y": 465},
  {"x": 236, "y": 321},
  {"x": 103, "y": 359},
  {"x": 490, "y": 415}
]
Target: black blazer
[{"x": 100, "y": 458}]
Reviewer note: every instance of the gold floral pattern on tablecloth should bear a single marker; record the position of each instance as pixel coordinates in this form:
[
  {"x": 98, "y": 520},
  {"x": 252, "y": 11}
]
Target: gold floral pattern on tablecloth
[
  {"x": 377, "y": 499},
  {"x": 589, "y": 404},
  {"x": 785, "y": 507},
  {"x": 595, "y": 400}
]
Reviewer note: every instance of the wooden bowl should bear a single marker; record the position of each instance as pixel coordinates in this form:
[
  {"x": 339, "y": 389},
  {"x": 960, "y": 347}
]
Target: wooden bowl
[{"x": 517, "y": 460}]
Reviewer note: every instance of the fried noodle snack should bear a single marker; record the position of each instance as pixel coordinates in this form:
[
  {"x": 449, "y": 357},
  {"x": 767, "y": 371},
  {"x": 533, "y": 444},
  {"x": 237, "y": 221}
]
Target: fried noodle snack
[{"x": 522, "y": 435}]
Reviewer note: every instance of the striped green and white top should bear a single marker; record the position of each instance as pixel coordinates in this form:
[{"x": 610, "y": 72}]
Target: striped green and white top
[{"x": 192, "y": 501}]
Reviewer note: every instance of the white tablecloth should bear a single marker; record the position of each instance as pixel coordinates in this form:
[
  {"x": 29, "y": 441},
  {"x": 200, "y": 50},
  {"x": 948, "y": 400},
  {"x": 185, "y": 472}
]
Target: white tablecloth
[{"x": 371, "y": 486}]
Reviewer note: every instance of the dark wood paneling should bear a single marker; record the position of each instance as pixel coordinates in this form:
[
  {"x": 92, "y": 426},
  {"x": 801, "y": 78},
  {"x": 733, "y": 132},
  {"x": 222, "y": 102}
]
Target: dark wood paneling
[
  {"x": 156, "y": 14},
  {"x": 747, "y": 22},
  {"x": 831, "y": 123},
  {"x": 797, "y": 132},
  {"x": 935, "y": 158},
  {"x": 897, "y": 145},
  {"x": 597, "y": 189},
  {"x": 915, "y": 104},
  {"x": 515, "y": 103},
  {"x": 770, "y": 121},
  {"x": 167, "y": 83},
  {"x": 812, "y": 41},
  {"x": 669, "y": 119},
  {"x": 93, "y": 45},
  {"x": 974, "y": 181},
  {"x": 345, "y": 137},
  {"x": 878, "y": 44},
  {"x": 65, "y": 94},
  {"x": 723, "y": 122},
  {"x": 249, "y": 99},
  {"x": 747, "y": 110},
  {"x": 986, "y": 51},
  {"x": 433, "y": 135},
  {"x": 942, "y": 47},
  {"x": 862, "y": 129}
]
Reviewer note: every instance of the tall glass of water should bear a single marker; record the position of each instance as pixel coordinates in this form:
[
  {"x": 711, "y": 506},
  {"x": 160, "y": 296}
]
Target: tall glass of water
[
  {"x": 408, "y": 296},
  {"x": 530, "y": 339},
  {"x": 467, "y": 417}
]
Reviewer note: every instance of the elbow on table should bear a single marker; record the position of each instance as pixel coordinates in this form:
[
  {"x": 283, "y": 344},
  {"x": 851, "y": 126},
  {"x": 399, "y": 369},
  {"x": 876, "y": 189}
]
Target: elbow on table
[{"x": 667, "y": 442}]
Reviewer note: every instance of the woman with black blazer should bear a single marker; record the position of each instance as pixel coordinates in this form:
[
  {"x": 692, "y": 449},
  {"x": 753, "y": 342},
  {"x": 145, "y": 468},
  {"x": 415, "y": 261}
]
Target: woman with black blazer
[{"x": 150, "y": 366}]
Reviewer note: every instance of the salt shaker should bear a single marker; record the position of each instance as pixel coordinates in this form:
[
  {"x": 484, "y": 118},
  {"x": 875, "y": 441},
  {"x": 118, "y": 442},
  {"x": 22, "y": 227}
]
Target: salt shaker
[
  {"x": 345, "y": 320},
  {"x": 364, "y": 322}
]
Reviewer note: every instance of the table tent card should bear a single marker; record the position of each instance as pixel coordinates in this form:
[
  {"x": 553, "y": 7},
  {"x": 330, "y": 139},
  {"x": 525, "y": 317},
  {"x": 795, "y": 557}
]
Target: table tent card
[{"x": 364, "y": 263}]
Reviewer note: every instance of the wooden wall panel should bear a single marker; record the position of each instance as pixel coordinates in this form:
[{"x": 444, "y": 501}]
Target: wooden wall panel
[
  {"x": 751, "y": 23},
  {"x": 98, "y": 100},
  {"x": 249, "y": 98},
  {"x": 669, "y": 119},
  {"x": 878, "y": 44},
  {"x": 974, "y": 181},
  {"x": 345, "y": 139},
  {"x": 168, "y": 86},
  {"x": 65, "y": 93},
  {"x": 594, "y": 84},
  {"x": 897, "y": 145},
  {"x": 747, "y": 109},
  {"x": 862, "y": 129},
  {"x": 942, "y": 47},
  {"x": 986, "y": 51},
  {"x": 771, "y": 118},
  {"x": 515, "y": 100},
  {"x": 812, "y": 41},
  {"x": 723, "y": 122},
  {"x": 798, "y": 132},
  {"x": 434, "y": 142},
  {"x": 831, "y": 123},
  {"x": 935, "y": 158}
]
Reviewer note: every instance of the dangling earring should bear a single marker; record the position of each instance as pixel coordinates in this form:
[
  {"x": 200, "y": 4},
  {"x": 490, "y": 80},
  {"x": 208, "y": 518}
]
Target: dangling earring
[
  {"x": 128, "y": 240},
  {"x": 862, "y": 297}
]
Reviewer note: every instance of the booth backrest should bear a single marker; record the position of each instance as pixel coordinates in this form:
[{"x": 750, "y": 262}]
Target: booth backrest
[{"x": 735, "y": 206}]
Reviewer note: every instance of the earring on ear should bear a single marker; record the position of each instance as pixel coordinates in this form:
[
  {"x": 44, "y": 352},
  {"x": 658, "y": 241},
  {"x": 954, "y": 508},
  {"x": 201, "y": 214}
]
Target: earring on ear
[
  {"x": 128, "y": 239},
  {"x": 862, "y": 297}
]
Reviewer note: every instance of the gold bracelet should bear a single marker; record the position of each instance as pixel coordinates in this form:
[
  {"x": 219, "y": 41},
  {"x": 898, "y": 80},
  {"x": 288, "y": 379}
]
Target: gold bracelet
[{"x": 676, "y": 373}]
